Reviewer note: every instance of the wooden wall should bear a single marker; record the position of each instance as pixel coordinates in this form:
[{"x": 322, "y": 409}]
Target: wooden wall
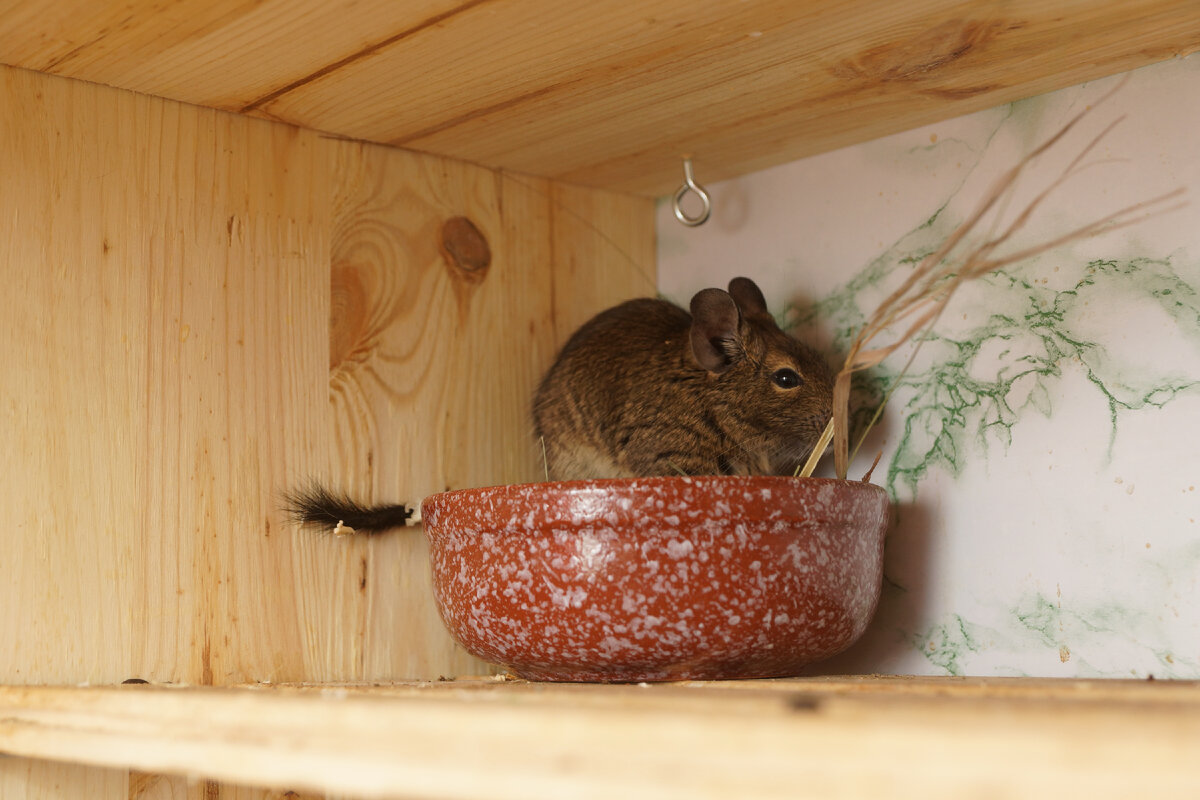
[{"x": 205, "y": 309}]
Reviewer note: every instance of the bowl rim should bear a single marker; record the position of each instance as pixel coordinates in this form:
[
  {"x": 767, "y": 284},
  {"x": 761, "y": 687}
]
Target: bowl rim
[{"x": 567, "y": 491}]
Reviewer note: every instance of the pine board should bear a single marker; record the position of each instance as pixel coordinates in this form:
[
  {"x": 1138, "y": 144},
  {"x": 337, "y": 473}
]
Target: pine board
[
  {"x": 610, "y": 93},
  {"x": 209, "y": 309},
  {"x": 900, "y": 738}
]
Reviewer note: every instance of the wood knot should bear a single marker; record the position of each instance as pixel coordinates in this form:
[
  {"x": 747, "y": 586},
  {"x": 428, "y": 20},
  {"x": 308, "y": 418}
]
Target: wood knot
[
  {"x": 348, "y": 315},
  {"x": 929, "y": 56},
  {"x": 465, "y": 249}
]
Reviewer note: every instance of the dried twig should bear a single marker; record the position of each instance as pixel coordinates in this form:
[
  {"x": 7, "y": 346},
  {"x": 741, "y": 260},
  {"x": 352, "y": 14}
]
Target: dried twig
[{"x": 919, "y": 301}]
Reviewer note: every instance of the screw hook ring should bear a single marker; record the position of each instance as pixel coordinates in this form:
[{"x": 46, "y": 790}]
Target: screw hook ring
[{"x": 690, "y": 185}]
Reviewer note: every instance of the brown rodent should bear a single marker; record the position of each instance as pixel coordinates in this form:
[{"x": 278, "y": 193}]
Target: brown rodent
[{"x": 645, "y": 388}]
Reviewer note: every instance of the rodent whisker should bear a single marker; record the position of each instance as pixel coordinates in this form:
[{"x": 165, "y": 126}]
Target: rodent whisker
[{"x": 769, "y": 445}]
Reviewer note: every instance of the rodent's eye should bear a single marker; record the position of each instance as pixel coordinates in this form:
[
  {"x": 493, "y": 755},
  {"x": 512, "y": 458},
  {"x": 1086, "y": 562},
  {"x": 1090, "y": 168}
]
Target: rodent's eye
[{"x": 786, "y": 378}]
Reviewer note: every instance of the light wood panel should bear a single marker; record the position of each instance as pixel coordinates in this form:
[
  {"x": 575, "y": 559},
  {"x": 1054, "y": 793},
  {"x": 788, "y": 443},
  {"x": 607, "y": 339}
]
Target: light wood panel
[
  {"x": 51, "y": 780},
  {"x": 170, "y": 265},
  {"x": 627, "y": 266},
  {"x": 432, "y": 367},
  {"x": 171, "y": 372},
  {"x": 926, "y": 738},
  {"x": 208, "y": 309},
  {"x": 224, "y": 54},
  {"x": 609, "y": 93}
]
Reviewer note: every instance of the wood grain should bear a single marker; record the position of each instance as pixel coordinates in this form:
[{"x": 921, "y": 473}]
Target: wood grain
[
  {"x": 594, "y": 270},
  {"x": 432, "y": 366},
  {"x": 926, "y": 738},
  {"x": 209, "y": 309},
  {"x": 609, "y": 93},
  {"x": 175, "y": 267},
  {"x": 171, "y": 278},
  {"x": 52, "y": 780},
  {"x": 225, "y": 54}
]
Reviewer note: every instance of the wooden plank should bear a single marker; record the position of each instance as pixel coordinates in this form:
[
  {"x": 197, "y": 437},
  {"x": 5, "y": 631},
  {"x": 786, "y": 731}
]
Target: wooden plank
[
  {"x": 683, "y": 741},
  {"x": 172, "y": 280},
  {"x": 224, "y": 54},
  {"x": 169, "y": 371},
  {"x": 609, "y": 93},
  {"x": 21, "y": 778},
  {"x": 432, "y": 368},
  {"x": 175, "y": 366},
  {"x": 598, "y": 271}
]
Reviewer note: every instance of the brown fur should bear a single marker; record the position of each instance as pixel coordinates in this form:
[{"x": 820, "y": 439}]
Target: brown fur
[{"x": 645, "y": 388}]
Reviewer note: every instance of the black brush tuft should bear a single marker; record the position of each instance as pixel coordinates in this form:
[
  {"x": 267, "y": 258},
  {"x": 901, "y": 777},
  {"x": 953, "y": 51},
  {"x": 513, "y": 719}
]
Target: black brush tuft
[{"x": 317, "y": 506}]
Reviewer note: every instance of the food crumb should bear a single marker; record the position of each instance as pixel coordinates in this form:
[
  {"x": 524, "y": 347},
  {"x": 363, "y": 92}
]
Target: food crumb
[{"x": 1064, "y": 654}]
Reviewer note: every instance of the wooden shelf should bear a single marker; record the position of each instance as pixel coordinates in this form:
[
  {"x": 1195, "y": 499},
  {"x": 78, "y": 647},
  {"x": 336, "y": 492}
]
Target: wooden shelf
[
  {"x": 608, "y": 93},
  {"x": 869, "y": 737}
]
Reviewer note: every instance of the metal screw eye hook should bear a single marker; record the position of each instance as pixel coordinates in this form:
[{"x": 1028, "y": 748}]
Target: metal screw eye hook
[{"x": 690, "y": 185}]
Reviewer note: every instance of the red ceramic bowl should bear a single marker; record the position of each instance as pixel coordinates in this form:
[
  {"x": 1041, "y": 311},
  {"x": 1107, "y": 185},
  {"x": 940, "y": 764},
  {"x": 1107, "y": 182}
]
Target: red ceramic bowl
[{"x": 656, "y": 579}]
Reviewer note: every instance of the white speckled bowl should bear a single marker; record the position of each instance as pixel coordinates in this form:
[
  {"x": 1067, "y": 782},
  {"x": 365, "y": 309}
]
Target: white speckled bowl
[{"x": 657, "y": 579}]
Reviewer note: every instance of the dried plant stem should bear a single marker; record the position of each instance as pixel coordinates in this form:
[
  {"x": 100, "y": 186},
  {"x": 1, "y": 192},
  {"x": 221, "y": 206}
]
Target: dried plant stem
[
  {"x": 817, "y": 451},
  {"x": 886, "y": 397},
  {"x": 919, "y": 301},
  {"x": 867, "y": 478}
]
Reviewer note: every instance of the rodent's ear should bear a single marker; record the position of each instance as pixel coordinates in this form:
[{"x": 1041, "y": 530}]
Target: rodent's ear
[
  {"x": 748, "y": 296},
  {"x": 715, "y": 341}
]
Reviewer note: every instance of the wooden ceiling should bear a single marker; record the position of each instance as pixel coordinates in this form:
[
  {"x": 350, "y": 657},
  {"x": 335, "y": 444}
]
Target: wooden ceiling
[{"x": 607, "y": 93}]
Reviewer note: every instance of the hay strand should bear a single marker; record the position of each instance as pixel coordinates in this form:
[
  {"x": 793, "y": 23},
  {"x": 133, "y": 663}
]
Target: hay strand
[{"x": 917, "y": 304}]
